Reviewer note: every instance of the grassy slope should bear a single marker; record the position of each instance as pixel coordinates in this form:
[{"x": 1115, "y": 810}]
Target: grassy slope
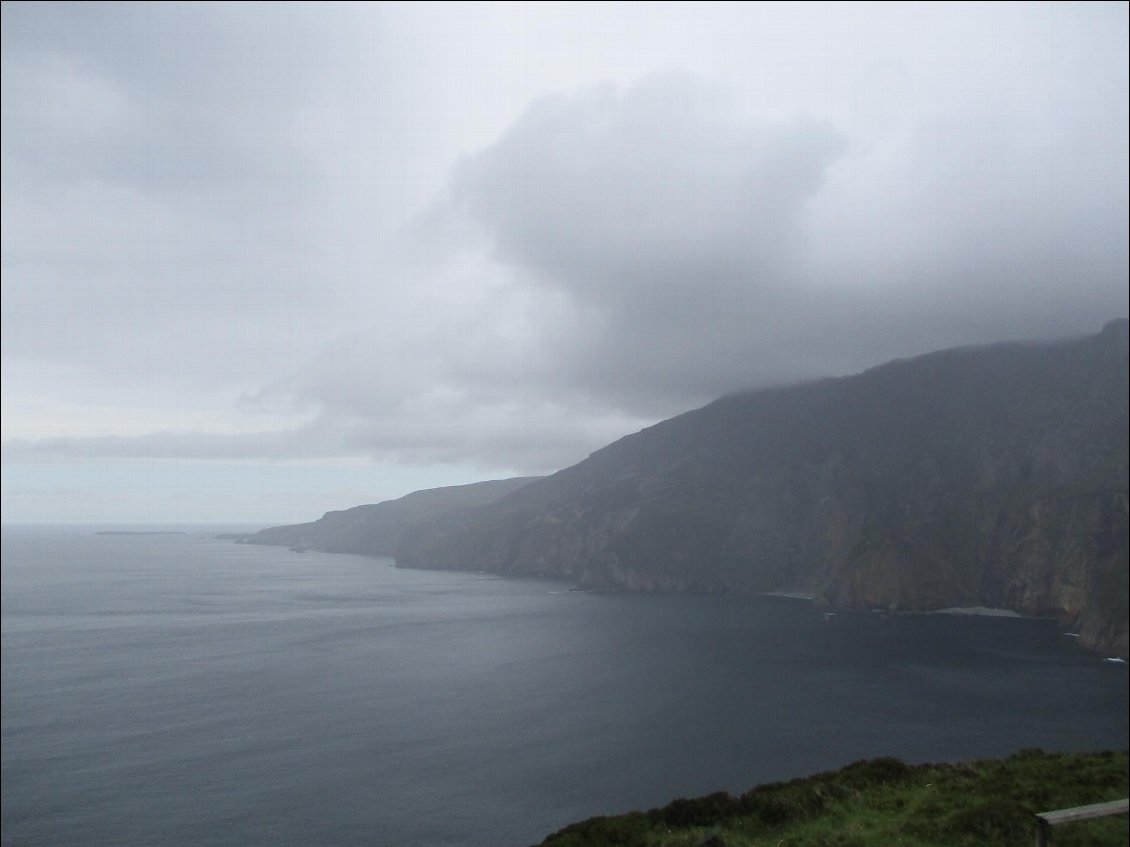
[{"x": 885, "y": 802}]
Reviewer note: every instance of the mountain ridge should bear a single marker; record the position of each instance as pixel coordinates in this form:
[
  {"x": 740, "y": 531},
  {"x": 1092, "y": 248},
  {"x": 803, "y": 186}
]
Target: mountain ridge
[{"x": 992, "y": 475}]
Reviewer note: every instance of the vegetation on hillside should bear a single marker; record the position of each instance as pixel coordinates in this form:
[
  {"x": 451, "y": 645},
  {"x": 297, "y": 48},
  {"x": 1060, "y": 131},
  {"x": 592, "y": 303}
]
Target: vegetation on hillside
[{"x": 884, "y": 802}]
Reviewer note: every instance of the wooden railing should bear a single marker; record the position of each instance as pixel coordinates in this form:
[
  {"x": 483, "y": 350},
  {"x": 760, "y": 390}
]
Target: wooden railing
[{"x": 1046, "y": 820}]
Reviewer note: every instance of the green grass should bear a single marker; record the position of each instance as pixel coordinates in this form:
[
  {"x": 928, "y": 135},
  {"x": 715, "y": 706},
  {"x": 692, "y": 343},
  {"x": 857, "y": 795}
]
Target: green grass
[{"x": 883, "y": 803}]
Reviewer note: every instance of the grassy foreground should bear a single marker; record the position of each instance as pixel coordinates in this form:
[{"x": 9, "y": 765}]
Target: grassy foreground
[{"x": 884, "y": 802}]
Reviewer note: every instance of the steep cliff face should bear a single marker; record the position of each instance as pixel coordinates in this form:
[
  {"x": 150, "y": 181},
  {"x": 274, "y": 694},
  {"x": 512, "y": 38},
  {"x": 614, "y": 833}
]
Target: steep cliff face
[
  {"x": 375, "y": 529},
  {"x": 991, "y": 476}
]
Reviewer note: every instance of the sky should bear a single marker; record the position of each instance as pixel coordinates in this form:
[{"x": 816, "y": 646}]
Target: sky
[{"x": 265, "y": 260}]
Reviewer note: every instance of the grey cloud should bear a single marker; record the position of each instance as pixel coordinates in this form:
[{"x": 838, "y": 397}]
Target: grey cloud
[
  {"x": 165, "y": 97},
  {"x": 668, "y": 222},
  {"x": 659, "y": 251},
  {"x": 699, "y": 253},
  {"x": 534, "y": 437},
  {"x": 176, "y": 215},
  {"x": 606, "y": 190},
  {"x": 169, "y": 445},
  {"x": 159, "y": 189}
]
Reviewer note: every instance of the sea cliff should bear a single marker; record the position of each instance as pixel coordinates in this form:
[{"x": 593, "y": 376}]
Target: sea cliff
[
  {"x": 375, "y": 529},
  {"x": 992, "y": 476}
]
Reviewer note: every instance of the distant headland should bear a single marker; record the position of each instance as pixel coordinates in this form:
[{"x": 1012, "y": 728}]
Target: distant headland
[{"x": 140, "y": 532}]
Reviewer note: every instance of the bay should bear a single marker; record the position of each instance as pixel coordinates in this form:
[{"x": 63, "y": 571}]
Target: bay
[{"x": 185, "y": 690}]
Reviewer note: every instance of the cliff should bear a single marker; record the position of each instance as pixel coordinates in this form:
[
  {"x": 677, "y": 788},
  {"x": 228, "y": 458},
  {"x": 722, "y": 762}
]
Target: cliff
[
  {"x": 991, "y": 476},
  {"x": 375, "y": 529}
]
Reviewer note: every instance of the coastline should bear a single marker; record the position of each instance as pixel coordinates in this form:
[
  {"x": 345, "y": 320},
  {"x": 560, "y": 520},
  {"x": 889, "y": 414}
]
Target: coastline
[{"x": 978, "y": 611}]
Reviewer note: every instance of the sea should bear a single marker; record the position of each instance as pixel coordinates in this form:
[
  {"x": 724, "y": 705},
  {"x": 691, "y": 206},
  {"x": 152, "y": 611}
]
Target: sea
[{"x": 185, "y": 690}]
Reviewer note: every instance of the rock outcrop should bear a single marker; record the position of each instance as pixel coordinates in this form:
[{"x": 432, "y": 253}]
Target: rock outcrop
[{"x": 990, "y": 476}]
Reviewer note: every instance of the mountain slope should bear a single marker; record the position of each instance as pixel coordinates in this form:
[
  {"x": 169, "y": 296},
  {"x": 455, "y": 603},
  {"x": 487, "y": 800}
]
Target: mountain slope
[
  {"x": 374, "y": 529},
  {"x": 991, "y": 476}
]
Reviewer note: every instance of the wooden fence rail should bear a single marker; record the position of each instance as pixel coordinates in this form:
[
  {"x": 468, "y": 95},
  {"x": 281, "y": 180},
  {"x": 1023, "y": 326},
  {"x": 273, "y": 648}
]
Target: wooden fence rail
[{"x": 1046, "y": 820}]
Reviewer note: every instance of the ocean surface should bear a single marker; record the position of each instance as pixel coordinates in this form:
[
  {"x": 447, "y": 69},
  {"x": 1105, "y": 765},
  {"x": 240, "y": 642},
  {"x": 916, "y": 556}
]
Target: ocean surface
[{"x": 184, "y": 690}]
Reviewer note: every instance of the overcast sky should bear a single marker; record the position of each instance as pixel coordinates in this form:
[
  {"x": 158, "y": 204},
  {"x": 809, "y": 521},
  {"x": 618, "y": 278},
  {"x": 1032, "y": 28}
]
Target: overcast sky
[{"x": 261, "y": 261}]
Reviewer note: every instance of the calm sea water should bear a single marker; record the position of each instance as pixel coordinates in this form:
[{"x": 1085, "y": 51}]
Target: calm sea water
[{"x": 183, "y": 690}]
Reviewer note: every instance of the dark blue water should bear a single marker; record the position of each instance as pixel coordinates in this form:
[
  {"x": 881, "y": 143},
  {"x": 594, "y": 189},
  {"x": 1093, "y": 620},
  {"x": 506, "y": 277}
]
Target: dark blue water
[{"x": 181, "y": 690}]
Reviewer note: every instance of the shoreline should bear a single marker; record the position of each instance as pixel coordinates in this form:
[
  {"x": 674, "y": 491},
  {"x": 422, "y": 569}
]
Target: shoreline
[{"x": 978, "y": 611}]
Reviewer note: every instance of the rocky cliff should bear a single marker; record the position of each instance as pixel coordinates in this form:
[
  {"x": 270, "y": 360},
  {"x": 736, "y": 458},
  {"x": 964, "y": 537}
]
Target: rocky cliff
[
  {"x": 375, "y": 529},
  {"x": 990, "y": 476}
]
